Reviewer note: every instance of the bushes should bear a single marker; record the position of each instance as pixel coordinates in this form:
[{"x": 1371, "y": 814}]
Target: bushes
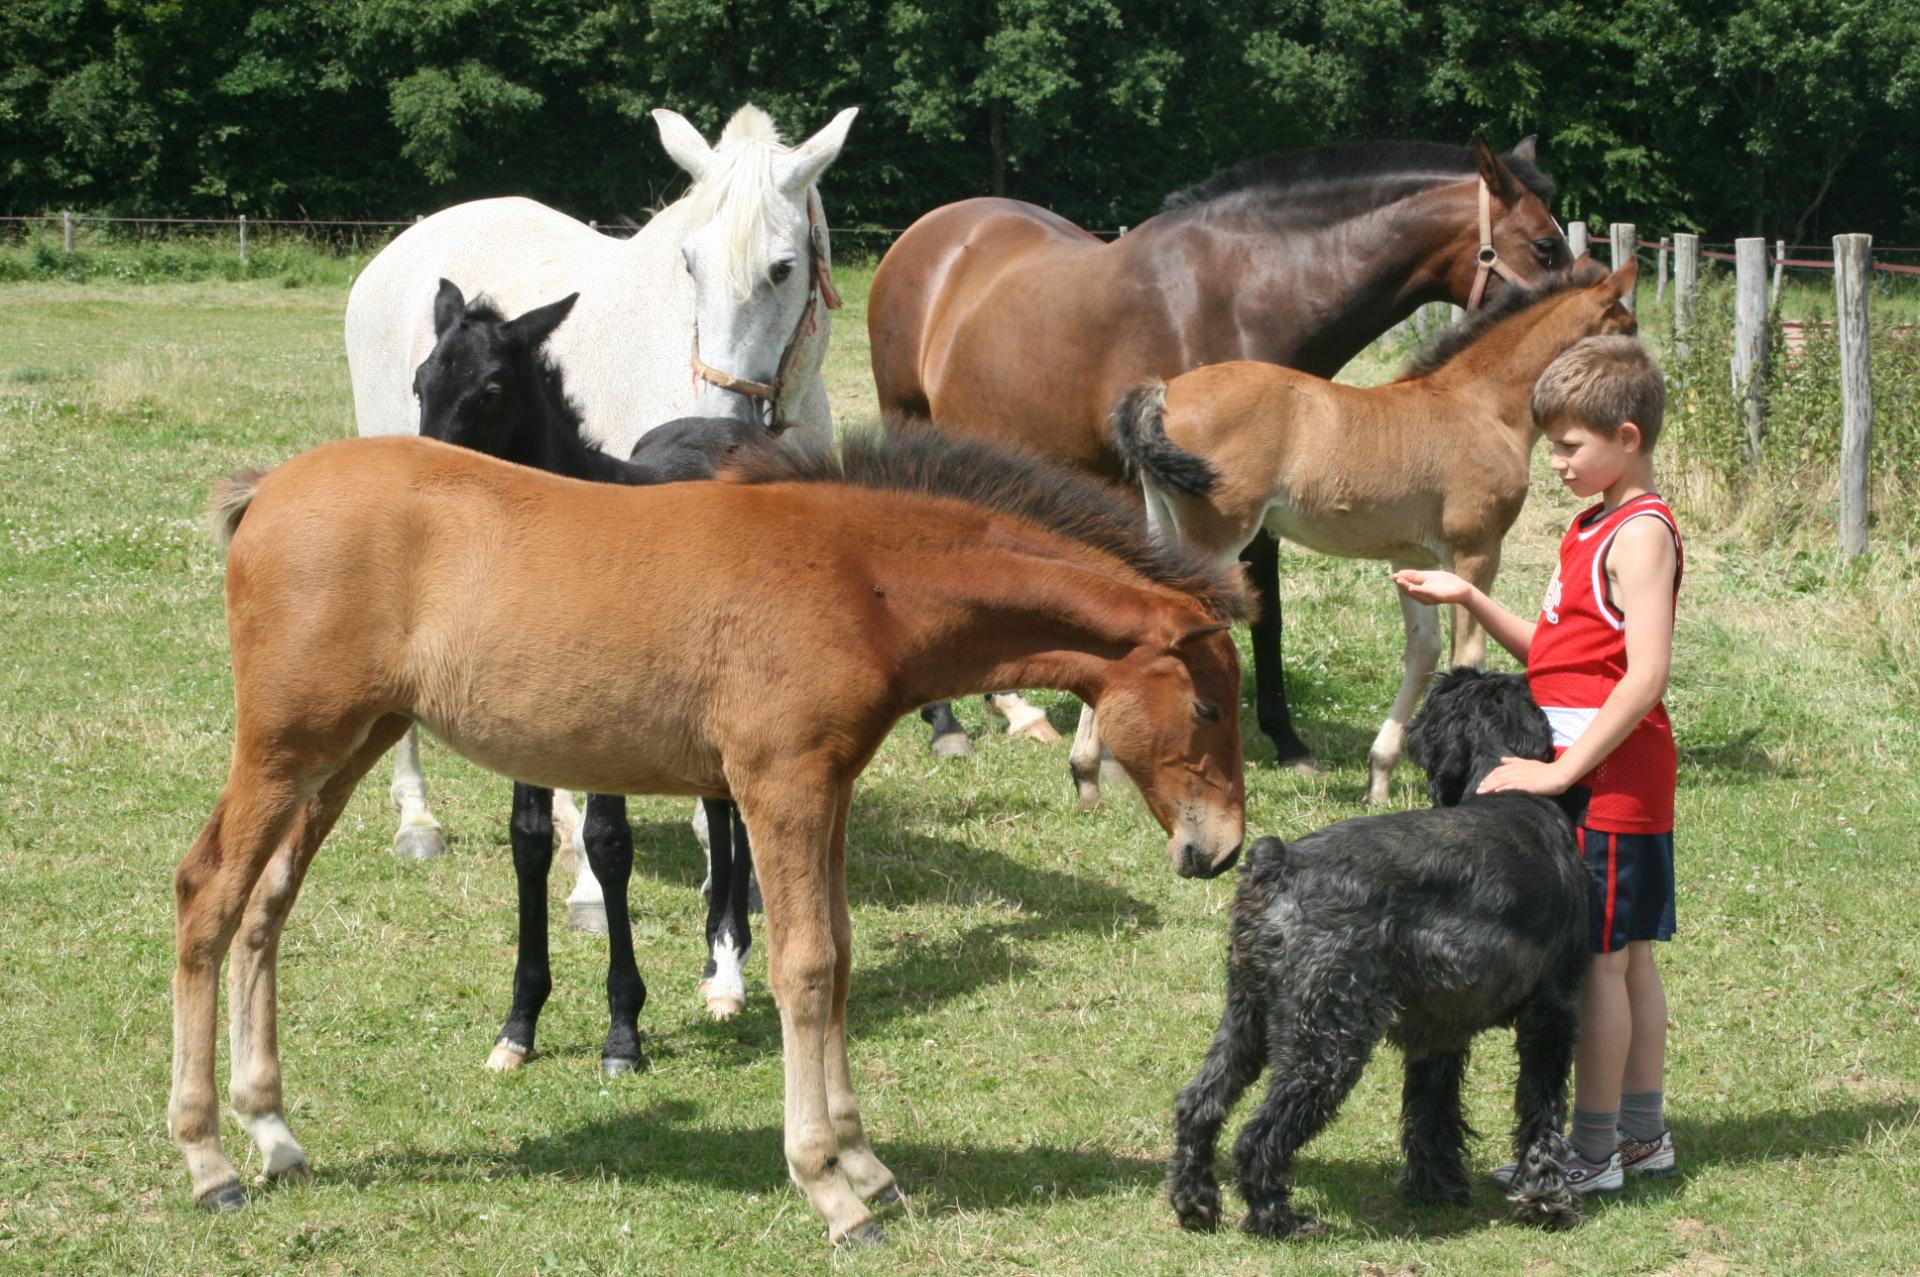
[{"x": 113, "y": 256}]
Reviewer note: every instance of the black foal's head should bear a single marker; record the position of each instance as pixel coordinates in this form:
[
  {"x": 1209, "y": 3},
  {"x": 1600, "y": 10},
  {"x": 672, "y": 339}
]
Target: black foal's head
[
  {"x": 486, "y": 379},
  {"x": 1470, "y": 721}
]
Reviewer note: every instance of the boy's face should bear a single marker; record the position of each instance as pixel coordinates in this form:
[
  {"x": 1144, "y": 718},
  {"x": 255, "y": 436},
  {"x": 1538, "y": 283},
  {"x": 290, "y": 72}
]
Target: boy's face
[{"x": 1587, "y": 461}]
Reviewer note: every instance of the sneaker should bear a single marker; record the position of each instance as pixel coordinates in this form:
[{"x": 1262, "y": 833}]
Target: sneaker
[
  {"x": 1583, "y": 1177},
  {"x": 1647, "y": 1157}
]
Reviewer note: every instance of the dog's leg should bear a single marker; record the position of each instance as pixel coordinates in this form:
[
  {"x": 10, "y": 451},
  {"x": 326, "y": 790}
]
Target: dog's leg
[
  {"x": 1433, "y": 1132},
  {"x": 1545, "y": 1033},
  {"x": 1308, "y": 1082},
  {"x": 1233, "y": 1062},
  {"x": 1422, "y": 654}
]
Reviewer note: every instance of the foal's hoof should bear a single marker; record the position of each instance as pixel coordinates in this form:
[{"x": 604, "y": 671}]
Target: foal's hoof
[
  {"x": 506, "y": 1056},
  {"x": 587, "y": 917},
  {"x": 952, "y": 745},
  {"x": 619, "y": 1065},
  {"x": 1303, "y": 765},
  {"x": 298, "y": 1173},
  {"x": 223, "y": 1201},
  {"x": 723, "y": 1008},
  {"x": 419, "y": 842},
  {"x": 1086, "y": 792},
  {"x": 864, "y": 1235}
]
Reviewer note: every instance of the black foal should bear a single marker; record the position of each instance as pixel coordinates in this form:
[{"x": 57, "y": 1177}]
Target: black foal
[
  {"x": 1423, "y": 927},
  {"x": 486, "y": 386}
]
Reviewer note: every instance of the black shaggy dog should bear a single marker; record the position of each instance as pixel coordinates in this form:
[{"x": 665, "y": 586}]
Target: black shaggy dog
[{"x": 1423, "y": 927}]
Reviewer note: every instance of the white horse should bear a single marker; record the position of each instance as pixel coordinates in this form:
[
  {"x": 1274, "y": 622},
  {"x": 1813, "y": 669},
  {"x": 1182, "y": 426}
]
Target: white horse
[{"x": 716, "y": 308}]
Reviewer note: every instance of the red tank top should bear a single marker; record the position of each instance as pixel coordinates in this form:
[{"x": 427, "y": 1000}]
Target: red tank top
[{"x": 1579, "y": 654}]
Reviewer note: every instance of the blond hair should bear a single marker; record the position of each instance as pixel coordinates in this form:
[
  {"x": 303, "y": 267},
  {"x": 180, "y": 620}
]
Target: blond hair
[{"x": 1602, "y": 382}]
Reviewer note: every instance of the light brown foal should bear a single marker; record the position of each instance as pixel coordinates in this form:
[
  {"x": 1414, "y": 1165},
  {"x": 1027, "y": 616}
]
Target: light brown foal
[
  {"x": 1430, "y": 470},
  {"x": 752, "y": 639}
]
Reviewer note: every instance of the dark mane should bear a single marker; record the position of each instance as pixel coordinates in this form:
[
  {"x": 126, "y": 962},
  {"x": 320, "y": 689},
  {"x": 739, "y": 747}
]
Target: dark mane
[
  {"x": 1506, "y": 303},
  {"x": 1325, "y": 174},
  {"x": 907, "y": 459}
]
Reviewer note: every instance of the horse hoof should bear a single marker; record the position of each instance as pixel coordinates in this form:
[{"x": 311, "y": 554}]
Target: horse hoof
[
  {"x": 298, "y": 1173},
  {"x": 419, "y": 842},
  {"x": 1038, "y": 730},
  {"x": 863, "y": 1235},
  {"x": 723, "y": 1008},
  {"x": 1304, "y": 765},
  {"x": 505, "y": 1057},
  {"x": 588, "y": 917},
  {"x": 224, "y": 1201},
  {"x": 618, "y": 1066},
  {"x": 952, "y": 745},
  {"x": 1088, "y": 795}
]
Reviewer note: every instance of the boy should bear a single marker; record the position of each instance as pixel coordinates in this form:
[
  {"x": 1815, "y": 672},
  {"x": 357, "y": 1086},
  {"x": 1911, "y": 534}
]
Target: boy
[{"x": 1597, "y": 661}]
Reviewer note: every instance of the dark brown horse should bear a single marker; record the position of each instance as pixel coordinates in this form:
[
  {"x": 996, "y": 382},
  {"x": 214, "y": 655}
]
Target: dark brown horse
[{"x": 1000, "y": 320}]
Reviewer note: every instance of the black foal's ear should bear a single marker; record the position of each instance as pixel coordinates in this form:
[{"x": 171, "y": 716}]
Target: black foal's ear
[
  {"x": 533, "y": 328},
  {"x": 1527, "y": 149},
  {"x": 448, "y": 308},
  {"x": 1495, "y": 173}
]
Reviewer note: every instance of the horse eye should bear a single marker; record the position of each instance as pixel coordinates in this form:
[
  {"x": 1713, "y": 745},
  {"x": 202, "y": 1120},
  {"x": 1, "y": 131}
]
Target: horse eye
[
  {"x": 1206, "y": 713},
  {"x": 490, "y": 394},
  {"x": 1545, "y": 248},
  {"x": 780, "y": 272}
]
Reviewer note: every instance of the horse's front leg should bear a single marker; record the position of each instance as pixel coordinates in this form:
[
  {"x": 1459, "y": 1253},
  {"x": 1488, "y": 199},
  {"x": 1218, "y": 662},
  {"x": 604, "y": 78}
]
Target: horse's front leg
[
  {"x": 419, "y": 836},
  {"x": 531, "y": 833},
  {"x": 609, "y": 842},
  {"x": 1422, "y": 654},
  {"x": 793, "y": 816},
  {"x": 1025, "y": 720},
  {"x": 1478, "y": 567}
]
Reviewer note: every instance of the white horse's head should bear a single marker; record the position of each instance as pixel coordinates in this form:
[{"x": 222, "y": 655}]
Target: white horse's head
[{"x": 756, "y": 248}]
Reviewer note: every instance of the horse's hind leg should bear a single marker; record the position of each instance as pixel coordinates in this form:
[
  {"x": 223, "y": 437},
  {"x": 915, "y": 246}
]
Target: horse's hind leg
[
  {"x": 949, "y": 738},
  {"x": 1262, "y": 557},
  {"x": 1233, "y": 1062},
  {"x": 1024, "y": 719},
  {"x": 531, "y": 832},
  {"x": 609, "y": 841},
  {"x": 1422, "y": 654},
  {"x": 587, "y": 902},
  {"x": 419, "y": 836},
  {"x": 255, "y": 1087},
  {"x": 1433, "y": 1132},
  {"x": 730, "y": 868}
]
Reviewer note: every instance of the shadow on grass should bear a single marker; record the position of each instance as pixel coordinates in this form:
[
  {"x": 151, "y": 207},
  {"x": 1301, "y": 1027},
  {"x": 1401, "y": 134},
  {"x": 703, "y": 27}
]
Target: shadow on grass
[{"x": 1734, "y": 758}]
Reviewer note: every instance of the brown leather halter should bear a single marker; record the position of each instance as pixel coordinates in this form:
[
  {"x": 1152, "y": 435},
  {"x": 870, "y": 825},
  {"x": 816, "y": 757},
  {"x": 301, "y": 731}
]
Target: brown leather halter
[
  {"x": 820, "y": 289},
  {"x": 1489, "y": 260}
]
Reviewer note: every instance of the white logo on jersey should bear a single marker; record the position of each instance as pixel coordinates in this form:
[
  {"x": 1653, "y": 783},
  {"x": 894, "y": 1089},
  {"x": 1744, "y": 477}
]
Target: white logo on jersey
[{"x": 1550, "y": 606}]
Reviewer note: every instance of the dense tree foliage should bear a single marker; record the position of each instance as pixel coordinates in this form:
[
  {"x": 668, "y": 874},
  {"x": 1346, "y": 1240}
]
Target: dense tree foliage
[{"x": 1784, "y": 117}]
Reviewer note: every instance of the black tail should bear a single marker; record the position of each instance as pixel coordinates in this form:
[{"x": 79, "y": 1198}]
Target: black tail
[{"x": 1140, "y": 433}]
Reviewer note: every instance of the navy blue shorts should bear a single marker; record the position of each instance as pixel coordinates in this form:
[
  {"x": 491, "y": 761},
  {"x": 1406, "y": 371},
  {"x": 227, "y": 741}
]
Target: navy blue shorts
[{"x": 1629, "y": 888}]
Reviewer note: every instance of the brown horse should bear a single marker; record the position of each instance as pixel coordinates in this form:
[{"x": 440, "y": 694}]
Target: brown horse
[
  {"x": 1000, "y": 320},
  {"x": 752, "y": 640},
  {"x": 1426, "y": 471}
]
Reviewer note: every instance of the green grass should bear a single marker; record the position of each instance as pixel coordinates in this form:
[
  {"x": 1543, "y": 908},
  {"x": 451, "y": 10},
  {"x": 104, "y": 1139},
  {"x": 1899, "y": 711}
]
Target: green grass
[{"x": 1030, "y": 988}]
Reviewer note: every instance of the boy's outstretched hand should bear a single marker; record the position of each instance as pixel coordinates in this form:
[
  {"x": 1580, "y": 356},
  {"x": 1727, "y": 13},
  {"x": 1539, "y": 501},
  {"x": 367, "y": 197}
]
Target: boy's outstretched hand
[
  {"x": 1526, "y": 776},
  {"x": 1432, "y": 587}
]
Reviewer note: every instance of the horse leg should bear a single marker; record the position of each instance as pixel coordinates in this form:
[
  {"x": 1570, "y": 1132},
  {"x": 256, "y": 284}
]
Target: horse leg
[
  {"x": 730, "y": 863},
  {"x": 587, "y": 904},
  {"x": 419, "y": 836},
  {"x": 949, "y": 738},
  {"x": 531, "y": 831},
  {"x": 1262, "y": 557},
  {"x": 794, "y": 819},
  {"x": 1083, "y": 760},
  {"x": 1422, "y": 654},
  {"x": 1478, "y": 567},
  {"x": 864, "y": 1170},
  {"x": 1024, "y": 720},
  {"x": 609, "y": 842},
  {"x": 1234, "y": 1060},
  {"x": 255, "y": 1082},
  {"x": 1433, "y": 1133}
]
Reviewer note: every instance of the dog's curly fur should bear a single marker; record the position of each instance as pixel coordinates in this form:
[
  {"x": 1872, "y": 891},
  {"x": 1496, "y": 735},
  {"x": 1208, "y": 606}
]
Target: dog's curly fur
[{"x": 1422, "y": 927}]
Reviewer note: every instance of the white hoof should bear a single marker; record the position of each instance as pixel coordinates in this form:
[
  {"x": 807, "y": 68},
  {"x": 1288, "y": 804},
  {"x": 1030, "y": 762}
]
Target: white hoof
[
  {"x": 1305, "y": 765},
  {"x": 587, "y": 916},
  {"x": 505, "y": 1057},
  {"x": 1038, "y": 730},
  {"x": 419, "y": 842},
  {"x": 723, "y": 1008},
  {"x": 952, "y": 745}
]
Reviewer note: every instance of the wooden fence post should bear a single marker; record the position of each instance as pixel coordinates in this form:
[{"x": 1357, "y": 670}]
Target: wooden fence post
[
  {"x": 1455, "y": 313},
  {"x": 1852, "y": 269},
  {"x": 1660, "y": 273},
  {"x": 66, "y": 230},
  {"x": 1686, "y": 287},
  {"x": 1623, "y": 236},
  {"x": 1750, "y": 336},
  {"x": 243, "y": 239},
  {"x": 1779, "y": 251},
  {"x": 1577, "y": 239}
]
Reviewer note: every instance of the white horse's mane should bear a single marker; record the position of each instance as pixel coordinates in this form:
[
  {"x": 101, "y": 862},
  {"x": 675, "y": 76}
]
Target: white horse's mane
[{"x": 738, "y": 191}]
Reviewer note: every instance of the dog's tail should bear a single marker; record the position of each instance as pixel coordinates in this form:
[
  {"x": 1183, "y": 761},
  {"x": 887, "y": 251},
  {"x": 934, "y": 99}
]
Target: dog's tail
[
  {"x": 1140, "y": 433},
  {"x": 231, "y": 497}
]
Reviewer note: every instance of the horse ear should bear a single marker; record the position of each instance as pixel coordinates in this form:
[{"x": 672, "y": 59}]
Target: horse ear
[
  {"x": 1198, "y": 632},
  {"x": 1495, "y": 173},
  {"x": 533, "y": 328},
  {"x": 1527, "y": 149},
  {"x": 448, "y": 308},
  {"x": 802, "y": 167},
  {"x": 1620, "y": 283},
  {"x": 683, "y": 142}
]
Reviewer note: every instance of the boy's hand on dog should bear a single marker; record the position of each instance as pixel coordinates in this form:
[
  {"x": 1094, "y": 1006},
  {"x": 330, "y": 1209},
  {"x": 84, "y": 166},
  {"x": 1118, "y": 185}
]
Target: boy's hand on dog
[
  {"x": 1526, "y": 776},
  {"x": 1432, "y": 587}
]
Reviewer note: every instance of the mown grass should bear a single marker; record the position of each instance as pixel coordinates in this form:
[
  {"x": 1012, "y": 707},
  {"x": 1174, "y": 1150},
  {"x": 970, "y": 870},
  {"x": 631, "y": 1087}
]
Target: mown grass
[{"x": 1031, "y": 986}]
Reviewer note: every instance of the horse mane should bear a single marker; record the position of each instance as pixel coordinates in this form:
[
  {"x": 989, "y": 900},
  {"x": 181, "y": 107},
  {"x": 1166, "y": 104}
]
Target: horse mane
[
  {"x": 738, "y": 192},
  {"x": 923, "y": 460},
  {"x": 1349, "y": 172},
  {"x": 1506, "y": 303}
]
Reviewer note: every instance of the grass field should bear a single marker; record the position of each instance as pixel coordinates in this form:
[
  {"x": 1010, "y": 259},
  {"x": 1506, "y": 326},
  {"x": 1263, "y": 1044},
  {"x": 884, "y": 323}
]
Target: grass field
[{"x": 1030, "y": 987}]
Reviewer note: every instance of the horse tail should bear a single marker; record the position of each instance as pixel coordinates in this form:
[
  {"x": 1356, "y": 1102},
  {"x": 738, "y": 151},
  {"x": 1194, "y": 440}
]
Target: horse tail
[
  {"x": 231, "y": 497},
  {"x": 1140, "y": 433}
]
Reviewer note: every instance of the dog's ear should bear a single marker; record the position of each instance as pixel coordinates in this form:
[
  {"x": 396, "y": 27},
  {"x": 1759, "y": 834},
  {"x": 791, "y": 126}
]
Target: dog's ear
[
  {"x": 1440, "y": 739},
  {"x": 1574, "y": 803}
]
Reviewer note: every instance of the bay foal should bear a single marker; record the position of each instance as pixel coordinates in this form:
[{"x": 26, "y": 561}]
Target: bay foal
[
  {"x": 1429, "y": 470},
  {"x": 487, "y": 385},
  {"x": 752, "y": 640}
]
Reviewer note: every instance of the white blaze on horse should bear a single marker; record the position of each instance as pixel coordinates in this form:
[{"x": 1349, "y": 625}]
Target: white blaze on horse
[{"x": 717, "y": 307}]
